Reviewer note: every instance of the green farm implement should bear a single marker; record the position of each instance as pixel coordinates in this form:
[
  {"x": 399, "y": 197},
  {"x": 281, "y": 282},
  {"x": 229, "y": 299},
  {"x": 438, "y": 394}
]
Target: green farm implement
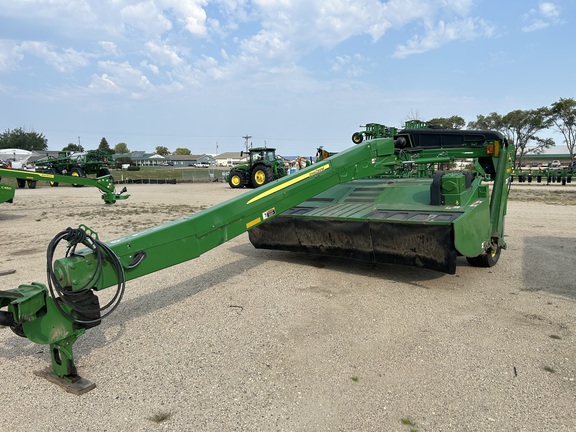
[
  {"x": 76, "y": 164},
  {"x": 544, "y": 175},
  {"x": 105, "y": 183},
  {"x": 6, "y": 193},
  {"x": 392, "y": 199}
]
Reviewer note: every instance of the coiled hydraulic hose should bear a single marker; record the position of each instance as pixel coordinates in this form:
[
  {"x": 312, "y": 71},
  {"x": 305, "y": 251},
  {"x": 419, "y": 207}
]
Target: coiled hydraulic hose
[{"x": 75, "y": 237}]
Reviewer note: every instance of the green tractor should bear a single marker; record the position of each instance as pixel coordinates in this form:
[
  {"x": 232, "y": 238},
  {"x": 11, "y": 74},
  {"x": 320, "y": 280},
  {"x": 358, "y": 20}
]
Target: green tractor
[{"x": 263, "y": 166}]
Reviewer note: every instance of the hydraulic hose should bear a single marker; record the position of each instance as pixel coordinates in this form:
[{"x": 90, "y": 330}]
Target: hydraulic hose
[{"x": 72, "y": 299}]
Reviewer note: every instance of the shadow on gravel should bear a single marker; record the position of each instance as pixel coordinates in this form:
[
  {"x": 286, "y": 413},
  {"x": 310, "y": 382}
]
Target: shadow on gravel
[
  {"x": 9, "y": 216},
  {"x": 548, "y": 265}
]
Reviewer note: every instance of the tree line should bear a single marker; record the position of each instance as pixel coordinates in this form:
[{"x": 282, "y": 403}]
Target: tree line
[
  {"x": 19, "y": 138},
  {"x": 520, "y": 127}
]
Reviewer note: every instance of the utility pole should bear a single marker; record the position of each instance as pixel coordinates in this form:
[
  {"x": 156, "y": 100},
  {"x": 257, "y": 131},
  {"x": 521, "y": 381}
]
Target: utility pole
[{"x": 246, "y": 138}]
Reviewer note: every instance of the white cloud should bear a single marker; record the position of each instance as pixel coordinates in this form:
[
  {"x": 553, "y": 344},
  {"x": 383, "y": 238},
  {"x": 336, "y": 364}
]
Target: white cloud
[
  {"x": 163, "y": 53},
  {"x": 549, "y": 10},
  {"x": 442, "y": 33},
  {"x": 191, "y": 13},
  {"x": 146, "y": 18},
  {"x": 351, "y": 66},
  {"x": 109, "y": 48},
  {"x": 63, "y": 60},
  {"x": 119, "y": 78},
  {"x": 194, "y": 41},
  {"x": 10, "y": 55},
  {"x": 291, "y": 29},
  {"x": 152, "y": 67},
  {"x": 544, "y": 16}
]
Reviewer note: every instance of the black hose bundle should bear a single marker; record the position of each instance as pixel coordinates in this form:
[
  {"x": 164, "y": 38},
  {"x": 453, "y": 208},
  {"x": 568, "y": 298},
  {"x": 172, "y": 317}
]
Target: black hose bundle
[{"x": 77, "y": 300}]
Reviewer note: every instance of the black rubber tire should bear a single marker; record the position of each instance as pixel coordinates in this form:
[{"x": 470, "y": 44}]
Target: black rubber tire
[
  {"x": 77, "y": 172},
  {"x": 21, "y": 183},
  {"x": 237, "y": 179},
  {"x": 487, "y": 259},
  {"x": 103, "y": 172},
  {"x": 32, "y": 184},
  {"x": 261, "y": 174},
  {"x": 17, "y": 329},
  {"x": 357, "y": 137}
]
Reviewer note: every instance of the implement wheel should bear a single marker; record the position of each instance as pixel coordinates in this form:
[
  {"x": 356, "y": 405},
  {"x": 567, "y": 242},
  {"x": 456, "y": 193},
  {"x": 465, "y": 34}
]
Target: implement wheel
[
  {"x": 55, "y": 172},
  {"x": 31, "y": 184},
  {"x": 77, "y": 172},
  {"x": 357, "y": 137},
  {"x": 237, "y": 179},
  {"x": 261, "y": 174},
  {"x": 21, "y": 183},
  {"x": 487, "y": 259}
]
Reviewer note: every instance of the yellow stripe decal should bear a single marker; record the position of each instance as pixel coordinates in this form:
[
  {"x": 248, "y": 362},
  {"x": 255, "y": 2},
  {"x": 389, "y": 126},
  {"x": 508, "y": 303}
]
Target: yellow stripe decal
[
  {"x": 295, "y": 180},
  {"x": 252, "y": 223}
]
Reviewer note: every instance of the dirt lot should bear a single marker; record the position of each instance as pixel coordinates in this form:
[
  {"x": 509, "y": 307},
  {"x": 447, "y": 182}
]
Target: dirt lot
[{"x": 248, "y": 340}]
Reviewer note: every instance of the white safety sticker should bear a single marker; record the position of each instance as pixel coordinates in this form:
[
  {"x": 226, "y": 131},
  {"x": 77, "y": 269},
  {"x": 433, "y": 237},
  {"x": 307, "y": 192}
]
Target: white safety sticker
[{"x": 269, "y": 213}]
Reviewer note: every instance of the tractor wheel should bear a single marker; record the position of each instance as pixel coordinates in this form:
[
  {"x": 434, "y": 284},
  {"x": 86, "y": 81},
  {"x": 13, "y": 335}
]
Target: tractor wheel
[
  {"x": 261, "y": 174},
  {"x": 487, "y": 259},
  {"x": 237, "y": 179},
  {"x": 77, "y": 172},
  {"x": 357, "y": 137},
  {"x": 21, "y": 183},
  {"x": 32, "y": 184},
  {"x": 104, "y": 172},
  {"x": 53, "y": 183}
]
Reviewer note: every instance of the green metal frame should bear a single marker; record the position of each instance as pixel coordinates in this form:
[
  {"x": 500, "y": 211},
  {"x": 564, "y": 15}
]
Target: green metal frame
[
  {"x": 546, "y": 175},
  {"x": 91, "y": 162},
  {"x": 105, "y": 183},
  {"x": 31, "y": 310},
  {"x": 6, "y": 193}
]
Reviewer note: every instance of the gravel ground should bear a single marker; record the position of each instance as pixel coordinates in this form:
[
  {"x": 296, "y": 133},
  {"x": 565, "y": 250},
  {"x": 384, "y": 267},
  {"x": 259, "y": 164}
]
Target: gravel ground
[{"x": 248, "y": 340}]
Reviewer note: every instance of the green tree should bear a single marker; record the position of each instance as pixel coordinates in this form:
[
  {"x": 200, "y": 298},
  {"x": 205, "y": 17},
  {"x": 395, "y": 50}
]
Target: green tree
[
  {"x": 20, "y": 139},
  {"x": 182, "y": 151},
  {"x": 520, "y": 128},
  {"x": 492, "y": 121},
  {"x": 162, "y": 151},
  {"x": 454, "y": 122},
  {"x": 562, "y": 115},
  {"x": 121, "y": 148},
  {"x": 104, "y": 146},
  {"x": 71, "y": 147}
]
